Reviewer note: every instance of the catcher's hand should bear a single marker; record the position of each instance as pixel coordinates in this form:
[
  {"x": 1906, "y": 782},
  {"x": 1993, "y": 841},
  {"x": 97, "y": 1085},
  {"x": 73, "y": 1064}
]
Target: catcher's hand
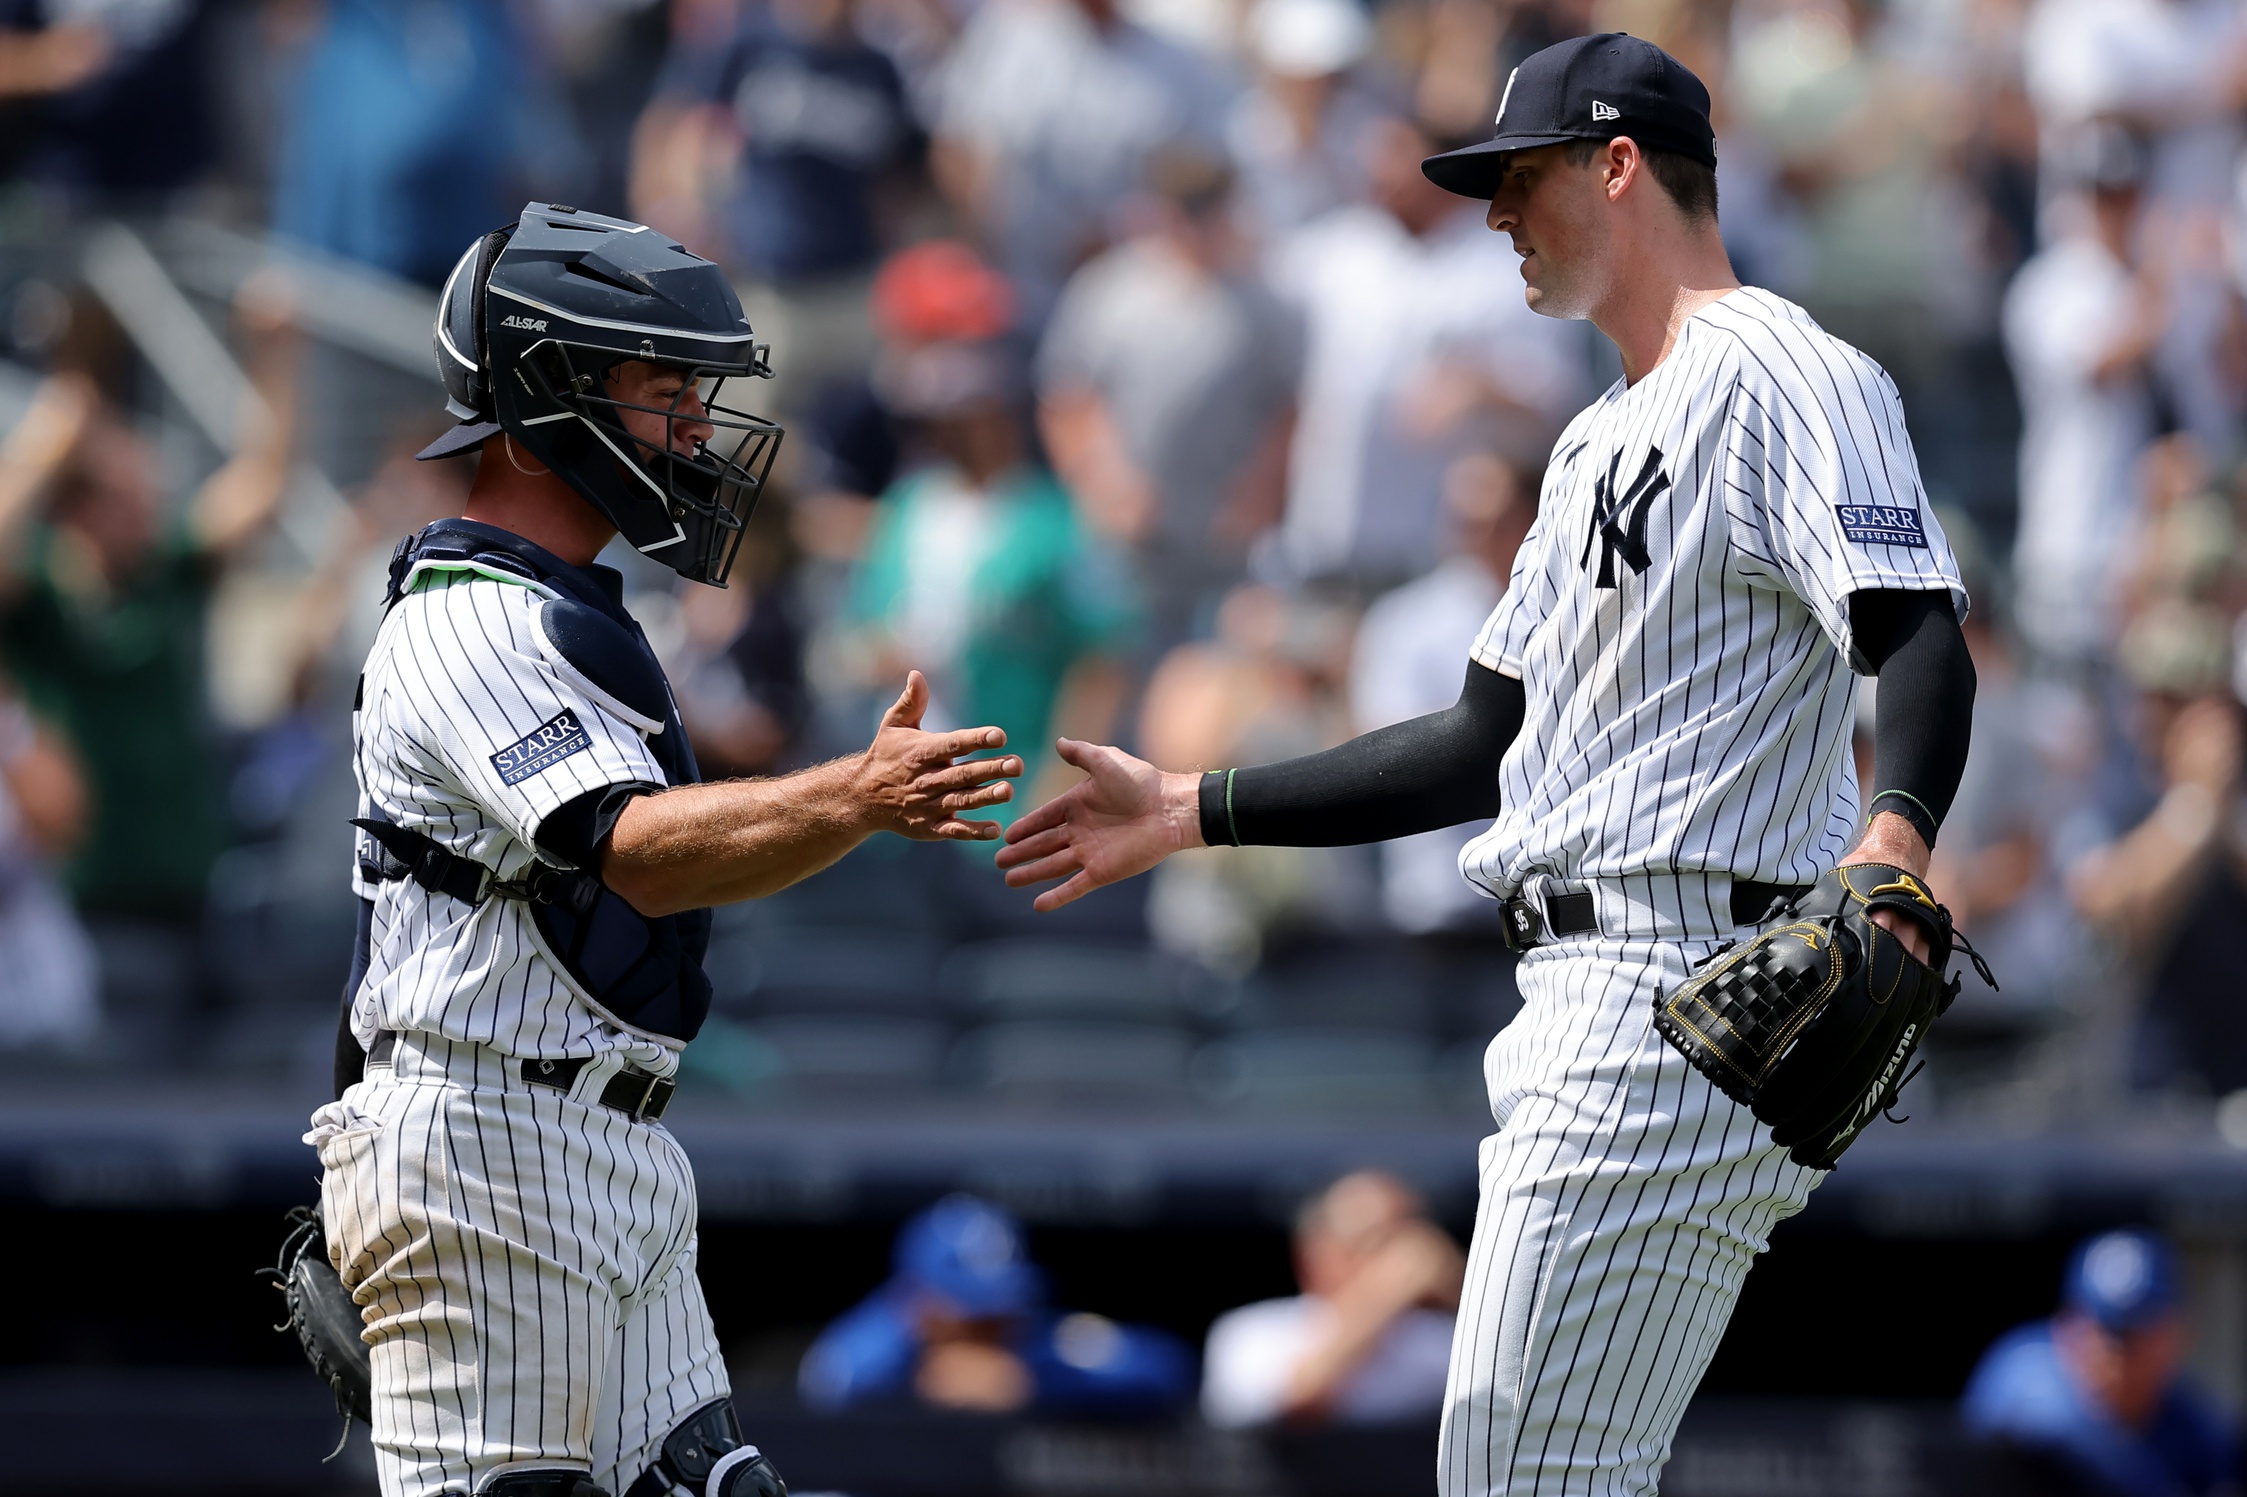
[
  {"x": 1811, "y": 1022},
  {"x": 325, "y": 1319}
]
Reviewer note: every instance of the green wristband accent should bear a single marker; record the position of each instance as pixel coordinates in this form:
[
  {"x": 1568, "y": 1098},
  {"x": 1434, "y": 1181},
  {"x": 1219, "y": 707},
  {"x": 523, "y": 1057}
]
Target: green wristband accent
[
  {"x": 1231, "y": 829},
  {"x": 1903, "y": 795}
]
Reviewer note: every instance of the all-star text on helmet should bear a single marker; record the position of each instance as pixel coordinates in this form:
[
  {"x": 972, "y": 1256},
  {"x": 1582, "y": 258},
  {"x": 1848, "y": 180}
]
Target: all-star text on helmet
[{"x": 531, "y": 327}]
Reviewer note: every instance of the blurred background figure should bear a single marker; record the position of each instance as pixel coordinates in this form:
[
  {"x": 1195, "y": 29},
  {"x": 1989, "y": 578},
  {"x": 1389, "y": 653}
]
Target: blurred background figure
[
  {"x": 979, "y": 571},
  {"x": 1046, "y": 113},
  {"x": 2082, "y": 321},
  {"x": 1298, "y": 133},
  {"x": 105, "y": 584},
  {"x": 1267, "y": 686},
  {"x": 1407, "y": 664},
  {"x": 849, "y": 440},
  {"x": 1419, "y": 349},
  {"x": 1369, "y": 1338},
  {"x": 2171, "y": 893},
  {"x": 1166, "y": 395},
  {"x": 48, "y": 980},
  {"x": 963, "y": 1324},
  {"x": 2094, "y": 1402},
  {"x": 106, "y": 99},
  {"x": 779, "y": 151},
  {"x": 735, "y": 657},
  {"x": 410, "y": 127}
]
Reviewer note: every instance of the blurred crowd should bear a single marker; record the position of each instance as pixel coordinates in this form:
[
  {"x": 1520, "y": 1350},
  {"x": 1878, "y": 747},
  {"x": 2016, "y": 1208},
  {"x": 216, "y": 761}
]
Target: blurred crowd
[
  {"x": 2098, "y": 1399},
  {"x": 1138, "y": 388}
]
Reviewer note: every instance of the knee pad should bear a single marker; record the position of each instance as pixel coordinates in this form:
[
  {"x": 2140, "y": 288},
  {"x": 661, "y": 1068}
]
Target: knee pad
[
  {"x": 538, "y": 1481},
  {"x": 706, "y": 1457}
]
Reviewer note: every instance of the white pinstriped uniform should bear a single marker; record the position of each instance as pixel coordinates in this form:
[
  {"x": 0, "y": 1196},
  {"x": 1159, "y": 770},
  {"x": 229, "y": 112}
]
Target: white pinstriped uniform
[
  {"x": 1679, "y": 618},
  {"x": 525, "y": 1258},
  {"x": 460, "y": 674}
]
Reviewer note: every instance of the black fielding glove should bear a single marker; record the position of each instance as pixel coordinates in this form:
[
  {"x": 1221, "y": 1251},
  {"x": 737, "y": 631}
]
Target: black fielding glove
[
  {"x": 326, "y": 1321},
  {"x": 1811, "y": 1022}
]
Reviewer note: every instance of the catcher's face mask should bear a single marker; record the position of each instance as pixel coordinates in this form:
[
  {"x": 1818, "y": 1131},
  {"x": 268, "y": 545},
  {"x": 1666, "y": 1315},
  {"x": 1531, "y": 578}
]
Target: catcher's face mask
[
  {"x": 605, "y": 350},
  {"x": 673, "y": 464}
]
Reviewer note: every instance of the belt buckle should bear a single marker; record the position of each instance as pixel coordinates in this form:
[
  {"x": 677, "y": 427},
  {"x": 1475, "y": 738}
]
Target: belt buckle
[
  {"x": 1523, "y": 926},
  {"x": 639, "y": 1111}
]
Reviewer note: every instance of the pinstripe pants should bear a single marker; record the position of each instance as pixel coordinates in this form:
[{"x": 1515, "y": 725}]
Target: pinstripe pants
[
  {"x": 526, "y": 1264},
  {"x": 1623, "y": 1200}
]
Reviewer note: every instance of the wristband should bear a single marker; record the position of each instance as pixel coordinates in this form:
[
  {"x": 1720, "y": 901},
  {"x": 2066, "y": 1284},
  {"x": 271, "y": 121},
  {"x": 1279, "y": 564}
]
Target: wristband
[
  {"x": 1218, "y": 829},
  {"x": 1911, "y": 808}
]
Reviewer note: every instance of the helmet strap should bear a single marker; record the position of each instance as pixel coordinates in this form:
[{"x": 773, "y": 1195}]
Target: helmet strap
[{"x": 516, "y": 463}]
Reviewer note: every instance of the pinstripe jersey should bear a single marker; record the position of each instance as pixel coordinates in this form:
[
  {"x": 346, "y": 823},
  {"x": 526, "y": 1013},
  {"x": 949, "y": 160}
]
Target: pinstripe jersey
[
  {"x": 1679, "y": 613},
  {"x": 472, "y": 728}
]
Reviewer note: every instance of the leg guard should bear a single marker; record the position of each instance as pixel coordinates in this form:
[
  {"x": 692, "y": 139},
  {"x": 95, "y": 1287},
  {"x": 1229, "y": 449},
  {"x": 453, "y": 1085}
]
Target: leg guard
[
  {"x": 538, "y": 1481},
  {"x": 706, "y": 1457}
]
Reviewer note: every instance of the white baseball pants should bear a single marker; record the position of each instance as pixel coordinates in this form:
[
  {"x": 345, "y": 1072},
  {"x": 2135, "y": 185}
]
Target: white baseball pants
[
  {"x": 526, "y": 1264},
  {"x": 1623, "y": 1200}
]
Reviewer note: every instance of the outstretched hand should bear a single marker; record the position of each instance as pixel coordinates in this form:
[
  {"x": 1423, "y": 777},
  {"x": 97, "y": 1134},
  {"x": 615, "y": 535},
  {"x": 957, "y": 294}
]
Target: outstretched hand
[
  {"x": 1124, "y": 819},
  {"x": 908, "y": 780}
]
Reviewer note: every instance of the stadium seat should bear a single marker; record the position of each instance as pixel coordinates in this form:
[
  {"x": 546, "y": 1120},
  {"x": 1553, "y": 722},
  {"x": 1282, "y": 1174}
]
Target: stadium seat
[
  {"x": 855, "y": 1053},
  {"x": 1075, "y": 1060},
  {"x": 1317, "y": 1070},
  {"x": 824, "y": 972},
  {"x": 1331, "y": 987},
  {"x": 1036, "y": 979}
]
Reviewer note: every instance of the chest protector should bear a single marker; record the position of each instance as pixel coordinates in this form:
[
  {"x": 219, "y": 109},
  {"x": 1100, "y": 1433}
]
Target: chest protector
[{"x": 642, "y": 973}]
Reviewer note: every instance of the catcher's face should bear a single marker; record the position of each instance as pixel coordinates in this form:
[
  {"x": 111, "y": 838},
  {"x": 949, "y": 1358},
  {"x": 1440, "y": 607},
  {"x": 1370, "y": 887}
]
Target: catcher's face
[
  {"x": 1559, "y": 215},
  {"x": 659, "y": 405}
]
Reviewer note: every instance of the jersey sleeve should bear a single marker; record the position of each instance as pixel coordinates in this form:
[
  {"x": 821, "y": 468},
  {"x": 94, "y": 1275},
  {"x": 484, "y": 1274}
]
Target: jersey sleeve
[
  {"x": 1824, "y": 486},
  {"x": 1532, "y": 590},
  {"x": 519, "y": 730}
]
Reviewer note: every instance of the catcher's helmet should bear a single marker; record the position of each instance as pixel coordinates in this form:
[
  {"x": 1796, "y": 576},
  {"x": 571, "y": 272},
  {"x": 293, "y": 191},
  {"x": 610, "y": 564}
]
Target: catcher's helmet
[{"x": 534, "y": 318}]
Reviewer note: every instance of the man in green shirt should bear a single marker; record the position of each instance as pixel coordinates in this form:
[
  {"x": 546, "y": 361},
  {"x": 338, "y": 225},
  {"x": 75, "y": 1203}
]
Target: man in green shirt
[
  {"x": 979, "y": 570},
  {"x": 103, "y": 597}
]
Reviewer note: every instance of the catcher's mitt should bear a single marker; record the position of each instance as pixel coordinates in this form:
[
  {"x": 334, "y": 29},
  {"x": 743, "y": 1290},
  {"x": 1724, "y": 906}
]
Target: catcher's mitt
[
  {"x": 324, "y": 1318},
  {"x": 1810, "y": 1022}
]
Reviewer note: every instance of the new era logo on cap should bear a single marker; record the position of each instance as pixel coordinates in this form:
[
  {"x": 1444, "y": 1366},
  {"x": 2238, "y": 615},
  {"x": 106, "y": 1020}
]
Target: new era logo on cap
[{"x": 1605, "y": 111}]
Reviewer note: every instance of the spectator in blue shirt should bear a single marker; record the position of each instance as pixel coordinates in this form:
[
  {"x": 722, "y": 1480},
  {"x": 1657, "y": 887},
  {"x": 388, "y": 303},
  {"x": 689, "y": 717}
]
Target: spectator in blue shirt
[
  {"x": 406, "y": 134},
  {"x": 963, "y": 1324},
  {"x": 2094, "y": 1400},
  {"x": 806, "y": 126}
]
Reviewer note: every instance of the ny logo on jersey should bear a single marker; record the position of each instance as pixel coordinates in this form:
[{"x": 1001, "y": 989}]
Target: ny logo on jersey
[{"x": 1619, "y": 519}]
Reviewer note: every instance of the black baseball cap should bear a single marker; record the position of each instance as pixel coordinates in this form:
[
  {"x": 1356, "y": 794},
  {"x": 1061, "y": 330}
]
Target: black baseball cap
[{"x": 1587, "y": 88}]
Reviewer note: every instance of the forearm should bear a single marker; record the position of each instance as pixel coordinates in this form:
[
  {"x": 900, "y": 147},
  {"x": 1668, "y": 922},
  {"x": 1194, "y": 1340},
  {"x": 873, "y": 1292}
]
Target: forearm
[
  {"x": 1420, "y": 1266},
  {"x": 701, "y": 845},
  {"x": 2132, "y": 888},
  {"x": 1360, "y": 1321},
  {"x": 1416, "y": 776},
  {"x": 1925, "y": 723}
]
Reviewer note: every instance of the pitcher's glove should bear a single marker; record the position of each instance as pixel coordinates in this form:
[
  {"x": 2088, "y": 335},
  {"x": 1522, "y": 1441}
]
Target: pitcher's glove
[
  {"x": 324, "y": 1318},
  {"x": 1811, "y": 1022}
]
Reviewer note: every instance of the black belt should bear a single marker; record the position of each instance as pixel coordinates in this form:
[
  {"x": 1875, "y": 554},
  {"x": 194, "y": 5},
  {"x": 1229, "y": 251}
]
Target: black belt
[
  {"x": 1573, "y": 915},
  {"x": 639, "y": 1095}
]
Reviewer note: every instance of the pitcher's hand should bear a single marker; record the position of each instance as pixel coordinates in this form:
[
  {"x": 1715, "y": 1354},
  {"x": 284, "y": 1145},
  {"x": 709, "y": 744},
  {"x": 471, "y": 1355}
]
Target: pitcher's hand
[
  {"x": 907, "y": 783},
  {"x": 1123, "y": 820}
]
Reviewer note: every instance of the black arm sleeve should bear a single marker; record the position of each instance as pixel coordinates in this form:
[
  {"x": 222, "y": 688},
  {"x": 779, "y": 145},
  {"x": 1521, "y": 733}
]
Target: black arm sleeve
[
  {"x": 1925, "y": 719},
  {"x": 1415, "y": 776}
]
